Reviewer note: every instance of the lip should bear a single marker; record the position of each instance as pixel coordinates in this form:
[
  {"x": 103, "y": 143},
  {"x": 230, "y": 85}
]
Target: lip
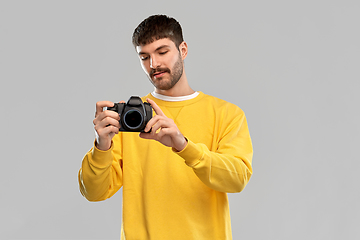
[{"x": 158, "y": 74}]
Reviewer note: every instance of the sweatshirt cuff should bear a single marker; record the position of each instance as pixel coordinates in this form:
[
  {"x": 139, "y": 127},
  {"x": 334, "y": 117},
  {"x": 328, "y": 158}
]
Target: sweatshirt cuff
[
  {"x": 192, "y": 154},
  {"x": 101, "y": 158}
]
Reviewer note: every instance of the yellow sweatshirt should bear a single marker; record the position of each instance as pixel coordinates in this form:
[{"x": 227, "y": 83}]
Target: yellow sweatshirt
[{"x": 171, "y": 195}]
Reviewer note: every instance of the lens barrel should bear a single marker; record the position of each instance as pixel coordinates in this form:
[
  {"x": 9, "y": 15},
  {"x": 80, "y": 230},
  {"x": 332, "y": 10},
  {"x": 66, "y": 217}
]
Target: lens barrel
[{"x": 133, "y": 119}]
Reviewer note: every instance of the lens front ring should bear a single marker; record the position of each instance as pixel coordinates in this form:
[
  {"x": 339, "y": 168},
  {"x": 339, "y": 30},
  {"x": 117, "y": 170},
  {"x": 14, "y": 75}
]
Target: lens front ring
[{"x": 133, "y": 119}]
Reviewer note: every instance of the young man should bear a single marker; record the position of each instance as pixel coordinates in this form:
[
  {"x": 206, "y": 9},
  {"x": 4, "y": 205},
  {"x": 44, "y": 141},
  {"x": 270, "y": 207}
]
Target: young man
[{"x": 176, "y": 177}]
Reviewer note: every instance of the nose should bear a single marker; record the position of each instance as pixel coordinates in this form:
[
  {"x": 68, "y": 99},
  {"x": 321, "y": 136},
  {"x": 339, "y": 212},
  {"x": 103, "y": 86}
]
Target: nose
[{"x": 154, "y": 63}]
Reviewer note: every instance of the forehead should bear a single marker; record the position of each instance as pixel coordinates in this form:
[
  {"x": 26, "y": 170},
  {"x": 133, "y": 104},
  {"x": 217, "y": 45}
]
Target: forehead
[{"x": 155, "y": 45}]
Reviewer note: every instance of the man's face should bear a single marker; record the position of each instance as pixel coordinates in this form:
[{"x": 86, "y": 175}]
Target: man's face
[{"x": 162, "y": 63}]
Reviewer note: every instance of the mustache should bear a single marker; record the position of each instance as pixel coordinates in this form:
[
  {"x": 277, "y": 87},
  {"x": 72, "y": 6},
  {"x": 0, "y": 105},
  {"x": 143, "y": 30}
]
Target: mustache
[{"x": 157, "y": 70}]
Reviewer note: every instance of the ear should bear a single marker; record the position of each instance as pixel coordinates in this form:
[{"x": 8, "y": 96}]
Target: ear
[{"x": 183, "y": 49}]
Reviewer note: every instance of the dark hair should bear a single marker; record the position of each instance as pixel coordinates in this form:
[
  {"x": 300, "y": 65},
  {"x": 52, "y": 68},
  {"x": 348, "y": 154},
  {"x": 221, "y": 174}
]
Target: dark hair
[{"x": 157, "y": 27}]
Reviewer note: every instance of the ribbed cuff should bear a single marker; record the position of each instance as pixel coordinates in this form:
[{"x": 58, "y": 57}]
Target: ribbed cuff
[
  {"x": 192, "y": 154},
  {"x": 101, "y": 158}
]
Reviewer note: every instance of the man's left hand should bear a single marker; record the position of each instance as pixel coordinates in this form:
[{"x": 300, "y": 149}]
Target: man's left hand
[{"x": 163, "y": 130}]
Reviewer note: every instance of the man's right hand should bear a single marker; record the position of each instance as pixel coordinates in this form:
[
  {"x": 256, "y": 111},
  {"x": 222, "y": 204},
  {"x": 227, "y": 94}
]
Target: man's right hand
[{"x": 106, "y": 125}]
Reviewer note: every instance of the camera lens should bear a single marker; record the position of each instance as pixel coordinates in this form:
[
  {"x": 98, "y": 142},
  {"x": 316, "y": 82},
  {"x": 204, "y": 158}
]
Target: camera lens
[{"x": 133, "y": 119}]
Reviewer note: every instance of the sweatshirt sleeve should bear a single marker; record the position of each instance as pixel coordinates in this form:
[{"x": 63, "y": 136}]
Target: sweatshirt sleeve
[
  {"x": 228, "y": 169},
  {"x": 100, "y": 175}
]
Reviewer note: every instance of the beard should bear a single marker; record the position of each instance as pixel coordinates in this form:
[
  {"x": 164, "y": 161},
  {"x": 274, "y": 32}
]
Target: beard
[{"x": 175, "y": 75}]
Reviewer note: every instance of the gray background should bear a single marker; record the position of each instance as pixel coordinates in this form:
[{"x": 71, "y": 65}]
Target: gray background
[{"x": 292, "y": 66}]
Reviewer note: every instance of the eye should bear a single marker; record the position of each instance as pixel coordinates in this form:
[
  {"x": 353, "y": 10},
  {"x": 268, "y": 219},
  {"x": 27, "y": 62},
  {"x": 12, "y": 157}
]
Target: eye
[
  {"x": 162, "y": 53},
  {"x": 143, "y": 58}
]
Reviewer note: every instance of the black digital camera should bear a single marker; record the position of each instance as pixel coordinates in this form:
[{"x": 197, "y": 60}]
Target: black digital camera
[{"x": 134, "y": 115}]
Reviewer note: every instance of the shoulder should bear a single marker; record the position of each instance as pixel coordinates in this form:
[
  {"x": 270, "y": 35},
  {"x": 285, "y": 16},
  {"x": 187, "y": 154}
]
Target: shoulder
[{"x": 221, "y": 106}]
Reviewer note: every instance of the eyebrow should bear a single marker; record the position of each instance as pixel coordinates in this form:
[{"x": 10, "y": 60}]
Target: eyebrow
[{"x": 157, "y": 49}]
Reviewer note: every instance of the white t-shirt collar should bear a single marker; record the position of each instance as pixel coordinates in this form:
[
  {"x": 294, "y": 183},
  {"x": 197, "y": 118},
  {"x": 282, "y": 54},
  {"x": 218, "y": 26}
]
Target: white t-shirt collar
[{"x": 174, "y": 99}]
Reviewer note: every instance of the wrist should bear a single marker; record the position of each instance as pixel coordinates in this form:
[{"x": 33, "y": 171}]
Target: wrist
[
  {"x": 100, "y": 145},
  {"x": 181, "y": 147}
]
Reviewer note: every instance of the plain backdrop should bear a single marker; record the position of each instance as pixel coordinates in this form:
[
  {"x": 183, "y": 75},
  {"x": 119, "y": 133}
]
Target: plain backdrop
[{"x": 292, "y": 66}]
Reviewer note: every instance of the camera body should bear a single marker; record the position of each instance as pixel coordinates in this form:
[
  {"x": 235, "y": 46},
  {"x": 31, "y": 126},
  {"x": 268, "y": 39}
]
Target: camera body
[{"x": 134, "y": 115}]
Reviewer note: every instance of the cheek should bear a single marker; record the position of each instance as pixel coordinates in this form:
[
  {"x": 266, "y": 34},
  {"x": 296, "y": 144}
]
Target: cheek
[
  {"x": 172, "y": 61},
  {"x": 176, "y": 61},
  {"x": 144, "y": 67}
]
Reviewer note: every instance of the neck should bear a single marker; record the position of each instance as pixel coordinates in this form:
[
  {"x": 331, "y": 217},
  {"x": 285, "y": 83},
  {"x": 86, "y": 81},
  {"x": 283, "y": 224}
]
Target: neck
[{"x": 181, "y": 88}]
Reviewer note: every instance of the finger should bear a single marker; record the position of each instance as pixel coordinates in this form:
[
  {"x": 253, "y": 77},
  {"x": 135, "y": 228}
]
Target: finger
[
  {"x": 108, "y": 121},
  {"x": 146, "y": 135},
  {"x": 152, "y": 122},
  {"x": 161, "y": 124},
  {"x": 162, "y": 132},
  {"x": 102, "y": 132},
  {"x": 156, "y": 108},
  {"x": 100, "y": 106},
  {"x": 105, "y": 114},
  {"x": 106, "y": 132}
]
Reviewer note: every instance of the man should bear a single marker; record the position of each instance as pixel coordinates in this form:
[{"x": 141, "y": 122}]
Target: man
[{"x": 176, "y": 177}]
